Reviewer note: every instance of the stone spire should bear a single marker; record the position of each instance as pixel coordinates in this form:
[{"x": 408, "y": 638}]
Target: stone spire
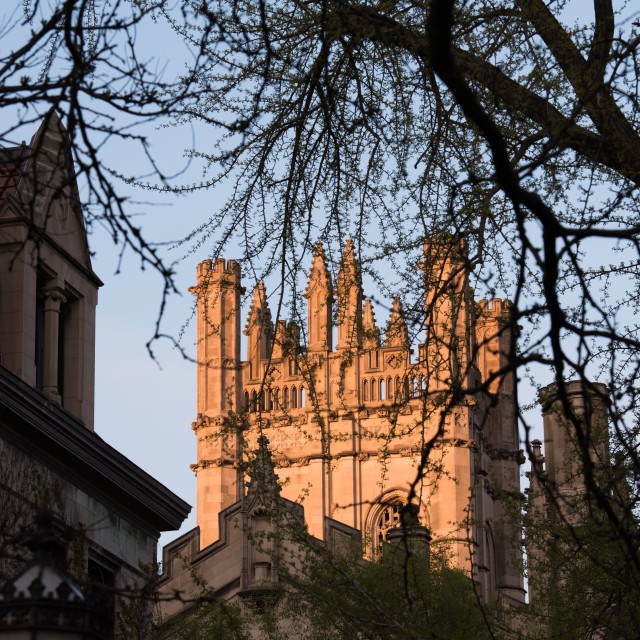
[
  {"x": 286, "y": 340},
  {"x": 259, "y": 330},
  {"x": 349, "y": 301},
  {"x": 396, "y": 334},
  {"x": 371, "y": 333},
  {"x": 263, "y": 480},
  {"x": 280, "y": 339},
  {"x": 320, "y": 301}
]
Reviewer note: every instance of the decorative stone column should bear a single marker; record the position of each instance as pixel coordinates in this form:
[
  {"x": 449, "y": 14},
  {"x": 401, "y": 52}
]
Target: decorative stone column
[{"x": 53, "y": 300}]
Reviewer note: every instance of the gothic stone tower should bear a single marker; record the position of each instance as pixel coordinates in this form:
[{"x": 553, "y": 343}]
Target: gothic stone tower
[{"x": 358, "y": 431}]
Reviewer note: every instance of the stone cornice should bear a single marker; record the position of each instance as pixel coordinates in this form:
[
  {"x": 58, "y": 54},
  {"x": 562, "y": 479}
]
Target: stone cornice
[{"x": 52, "y": 435}]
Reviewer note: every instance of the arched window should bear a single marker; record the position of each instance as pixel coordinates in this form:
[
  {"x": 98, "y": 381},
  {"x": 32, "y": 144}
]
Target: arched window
[
  {"x": 397, "y": 391},
  {"x": 365, "y": 391},
  {"x": 254, "y": 401},
  {"x": 268, "y": 400},
  {"x": 261, "y": 401},
  {"x": 294, "y": 398},
  {"x": 389, "y": 388},
  {"x": 374, "y": 395},
  {"x": 389, "y": 518},
  {"x": 423, "y": 385},
  {"x": 246, "y": 400},
  {"x": 303, "y": 397},
  {"x": 276, "y": 399},
  {"x": 381, "y": 395},
  {"x": 285, "y": 398},
  {"x": 384, "y": 515},
  {"x": 414, "y": 387}
]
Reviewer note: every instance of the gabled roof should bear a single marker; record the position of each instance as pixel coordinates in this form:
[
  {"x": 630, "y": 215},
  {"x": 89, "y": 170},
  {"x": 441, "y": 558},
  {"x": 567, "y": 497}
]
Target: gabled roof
[{"x": 38, "y": 185}]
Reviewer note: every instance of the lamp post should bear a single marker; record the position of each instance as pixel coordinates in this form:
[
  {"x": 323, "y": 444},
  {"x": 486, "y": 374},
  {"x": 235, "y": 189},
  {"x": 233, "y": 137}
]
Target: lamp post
[{"x": 42, "y": 602}]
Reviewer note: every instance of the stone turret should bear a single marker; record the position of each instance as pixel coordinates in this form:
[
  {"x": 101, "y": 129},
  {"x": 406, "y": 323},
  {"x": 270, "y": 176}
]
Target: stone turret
[
  {"x": 219, "y": 391},
  {"x": 572, "y": 427},
  {"x": 319, "y": 300},
  {"x": 575, "y": 459},
  {"x": 349, "y": 301}
]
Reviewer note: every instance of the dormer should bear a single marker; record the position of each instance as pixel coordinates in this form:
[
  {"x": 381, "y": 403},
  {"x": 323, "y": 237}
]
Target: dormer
[{"x": 48, "y": 290}]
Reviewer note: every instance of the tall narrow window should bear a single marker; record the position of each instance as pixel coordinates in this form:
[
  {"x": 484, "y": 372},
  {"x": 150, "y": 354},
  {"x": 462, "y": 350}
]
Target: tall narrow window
[
  {"x": 294, "y": 398},
  {"x": 39, "y": 352},
  {"x": 365, "y": 391},
  {"x": 102, "y": 591}
]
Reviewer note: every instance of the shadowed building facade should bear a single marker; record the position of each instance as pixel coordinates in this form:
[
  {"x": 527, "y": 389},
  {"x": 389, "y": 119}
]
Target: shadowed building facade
[{"x": 50, "y": 455}]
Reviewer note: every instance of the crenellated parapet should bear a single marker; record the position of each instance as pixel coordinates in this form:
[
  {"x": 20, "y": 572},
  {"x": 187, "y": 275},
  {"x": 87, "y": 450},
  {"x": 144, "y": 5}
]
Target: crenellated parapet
[
  {"x": 494, "y": 334},
  {"x": 495, "y": 310}
]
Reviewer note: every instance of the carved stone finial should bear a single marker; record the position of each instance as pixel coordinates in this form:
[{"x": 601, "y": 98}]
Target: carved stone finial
[
  {"x": 396, "y": 334},
  {"x": 319, "y": 275},
  {"x": 263, "y": 480},
  {"x": 319, "y": 294},
  {"x": 349, "y": 300},
  {"x": 371, "y": 333},
  {"x": 259, "y": 313}
]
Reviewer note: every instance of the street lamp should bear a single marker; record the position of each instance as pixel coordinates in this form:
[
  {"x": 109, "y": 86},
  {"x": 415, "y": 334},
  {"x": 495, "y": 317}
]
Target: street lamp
[{"x": 42, "y": 602}]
